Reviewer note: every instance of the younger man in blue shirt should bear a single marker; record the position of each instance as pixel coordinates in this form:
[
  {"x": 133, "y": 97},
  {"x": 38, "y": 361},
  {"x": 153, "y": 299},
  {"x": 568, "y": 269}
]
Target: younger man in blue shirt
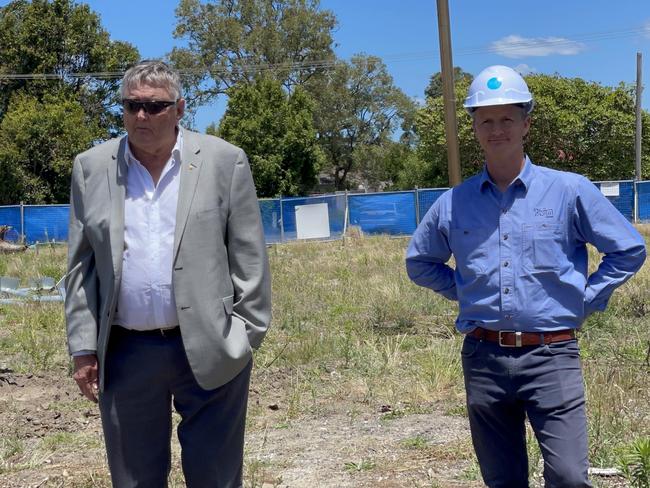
[{"x": 518, "y": 234}]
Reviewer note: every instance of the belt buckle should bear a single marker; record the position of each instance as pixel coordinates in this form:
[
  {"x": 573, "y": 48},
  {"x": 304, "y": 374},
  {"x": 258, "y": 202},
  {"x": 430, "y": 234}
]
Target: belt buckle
[{"x": 517, "y": 338}]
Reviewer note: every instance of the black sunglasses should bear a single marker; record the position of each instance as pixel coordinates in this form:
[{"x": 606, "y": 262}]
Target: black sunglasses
[{"x": 152, "y": 108}]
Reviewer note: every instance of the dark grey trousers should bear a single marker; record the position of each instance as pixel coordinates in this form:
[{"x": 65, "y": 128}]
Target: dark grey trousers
[
  {"x": 544, "y": 383},
  {"x": 144, "y": 375}
]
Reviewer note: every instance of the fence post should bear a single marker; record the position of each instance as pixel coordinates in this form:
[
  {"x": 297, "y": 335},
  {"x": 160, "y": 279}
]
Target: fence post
[
  {"x": 345, "y": 215},
  {"x": 22, "y": 222},
  {"x": 417, "y": 207},
  {"x": 281, "y": 221},
  {"x": 636, "y": 202}
]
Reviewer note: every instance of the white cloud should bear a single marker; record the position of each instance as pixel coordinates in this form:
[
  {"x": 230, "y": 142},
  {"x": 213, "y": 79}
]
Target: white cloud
[
  {"x": 646, "y": 29},
  {"x": 524, "y": 69},
  {"x": 518, "y": 47}
]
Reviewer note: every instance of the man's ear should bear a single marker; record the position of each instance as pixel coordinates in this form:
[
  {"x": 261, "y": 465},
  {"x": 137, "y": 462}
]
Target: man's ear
[
  {"x": 180, "y": 108},
  {"x": 527, "y": 122}
]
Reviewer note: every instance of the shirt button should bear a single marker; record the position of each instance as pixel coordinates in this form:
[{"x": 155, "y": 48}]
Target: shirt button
[
  {"x": 504, "y": 210},
  {"x": 505, "y": 237},
  {"x": 506, "y": 290},
  {"x": 508, "y": 317},
  {"x": 505, "y": 264}
]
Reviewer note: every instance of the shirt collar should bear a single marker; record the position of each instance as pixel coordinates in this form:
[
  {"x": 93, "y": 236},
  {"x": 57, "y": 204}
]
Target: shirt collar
[
  {"x": 177, "y": 150},
  {"x": 525, "y": 176}
]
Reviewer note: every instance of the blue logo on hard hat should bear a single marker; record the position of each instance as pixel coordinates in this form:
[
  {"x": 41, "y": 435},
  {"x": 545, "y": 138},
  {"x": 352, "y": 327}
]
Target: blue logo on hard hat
[{"x": 494, "y": 83}]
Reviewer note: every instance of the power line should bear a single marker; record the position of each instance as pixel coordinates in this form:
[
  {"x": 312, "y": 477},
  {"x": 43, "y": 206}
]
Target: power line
[
  {"x": 494, "y": 48},
  {"x": 247, "y": 68},
  {"x": 555, "y": 42}
]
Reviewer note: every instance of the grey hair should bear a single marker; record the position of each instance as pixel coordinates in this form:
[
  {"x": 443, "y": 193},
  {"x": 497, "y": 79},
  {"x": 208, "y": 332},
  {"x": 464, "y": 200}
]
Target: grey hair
[{"x": 153, "y": 73}]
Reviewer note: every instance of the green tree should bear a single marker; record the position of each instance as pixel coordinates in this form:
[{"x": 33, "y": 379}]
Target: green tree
[
  {"x": 585, "y": 127},
  {"x": 276, "y": 130},
  {"x": 427, "y": 167},
  {"x": 378, "y": 166},
  {"x": 232, "y": 41},
  {"x": 434, "y": 90},
  {"x": 47, "y": 120},
  {"x": 358, "y": 106},
  {"x": 577, "y": 126},
  {"x": 61, "y": 38},
  {"x": 38, "y": 141}
]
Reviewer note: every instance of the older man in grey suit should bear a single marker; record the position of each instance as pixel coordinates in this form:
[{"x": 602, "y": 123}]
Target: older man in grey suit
[{"x": 168, "y": 289}]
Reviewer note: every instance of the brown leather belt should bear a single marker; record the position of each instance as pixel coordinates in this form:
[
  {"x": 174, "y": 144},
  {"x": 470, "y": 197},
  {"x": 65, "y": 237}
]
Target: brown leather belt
[{"x": 513, "y": 338}]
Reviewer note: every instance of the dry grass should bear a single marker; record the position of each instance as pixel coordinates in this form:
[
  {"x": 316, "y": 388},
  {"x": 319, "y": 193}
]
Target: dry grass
[{"x": 351, "y": 334}]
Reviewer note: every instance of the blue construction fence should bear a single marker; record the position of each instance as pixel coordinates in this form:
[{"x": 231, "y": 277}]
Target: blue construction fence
[{"x": 393, "y": 213}]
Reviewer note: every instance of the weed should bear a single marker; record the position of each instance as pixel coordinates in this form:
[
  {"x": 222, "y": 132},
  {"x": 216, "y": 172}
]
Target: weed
[
  {"x": 471, "y": 472},
  {"x": 635, "y": 463},
  {"x": 417, "y": 442},
  {"x": 59, "y": 440},
  {"x": 459, "y": 410},
  {"x": 257, "y": 476},
  {"x": 10, "y": 448},
  {"x": 360, "y": 465},
  {"x": 392, "y": 415}
]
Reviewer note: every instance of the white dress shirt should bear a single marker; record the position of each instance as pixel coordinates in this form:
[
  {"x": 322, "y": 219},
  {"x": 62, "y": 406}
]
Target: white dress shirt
[{"x": 146, "y": 296}]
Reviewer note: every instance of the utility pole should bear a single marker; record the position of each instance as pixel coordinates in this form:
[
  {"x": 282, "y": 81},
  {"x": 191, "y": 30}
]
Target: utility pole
[
  {"x": 448, "y": 96},
  {"x": 637, "y": 138},
  {"x": 637, "y": 141}
]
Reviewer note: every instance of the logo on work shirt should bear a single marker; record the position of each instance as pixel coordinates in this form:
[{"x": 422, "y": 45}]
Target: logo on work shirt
[{"x": 543, "y": 212}]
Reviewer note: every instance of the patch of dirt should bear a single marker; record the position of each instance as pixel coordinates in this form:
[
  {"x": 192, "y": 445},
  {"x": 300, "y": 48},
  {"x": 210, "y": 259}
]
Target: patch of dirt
[
  {"x": 341, "y": 451},
  {"x": 346, "y": 444},
  {"x": 36, "y": 406}
]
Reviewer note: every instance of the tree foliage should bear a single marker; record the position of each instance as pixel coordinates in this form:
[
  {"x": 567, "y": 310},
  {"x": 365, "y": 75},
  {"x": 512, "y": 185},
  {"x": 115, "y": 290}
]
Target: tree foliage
[
  {"x": 46, "y": 121},
  {"x": 428, "y": 166},
  {"x": 38, "y": 141},
  {"x": 276, "y": 130},
  {"x": 585, "y": 127},
  {"x": 358, "y": 106},
  {"x": 378, "y": 167},
  {"x": 232, "y": 41},
  {"x": 576, "y": 126},
  {"x": 62, "y": 38},
  {"x": 434, "y": 90}
]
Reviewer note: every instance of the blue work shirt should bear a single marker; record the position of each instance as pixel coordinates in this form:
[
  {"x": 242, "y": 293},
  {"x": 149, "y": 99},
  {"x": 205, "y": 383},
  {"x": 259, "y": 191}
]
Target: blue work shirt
[{"x": 521, "y": 255}]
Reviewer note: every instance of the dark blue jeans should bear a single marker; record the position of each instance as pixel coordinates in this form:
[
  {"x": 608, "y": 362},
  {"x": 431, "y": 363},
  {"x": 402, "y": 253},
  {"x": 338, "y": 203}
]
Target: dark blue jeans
[{"x": 544, "y": 383}]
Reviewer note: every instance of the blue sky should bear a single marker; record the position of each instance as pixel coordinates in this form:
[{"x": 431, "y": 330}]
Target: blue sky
[{"x": 591, "y": 39}]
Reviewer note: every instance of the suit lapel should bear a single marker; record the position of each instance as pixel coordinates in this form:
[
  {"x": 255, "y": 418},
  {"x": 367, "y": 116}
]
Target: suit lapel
[
  {"x": 189, "y": 174},
  {"x": 116, "y": 173}
]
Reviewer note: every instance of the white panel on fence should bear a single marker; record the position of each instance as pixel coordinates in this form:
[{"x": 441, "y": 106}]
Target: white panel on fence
[
  {"x": 312, "y": 221},
  {"x": 610, "y": 189}
]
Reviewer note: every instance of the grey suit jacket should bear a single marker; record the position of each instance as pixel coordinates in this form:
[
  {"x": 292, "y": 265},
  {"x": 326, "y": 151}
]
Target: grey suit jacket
[{"x": 220, "y": 271}]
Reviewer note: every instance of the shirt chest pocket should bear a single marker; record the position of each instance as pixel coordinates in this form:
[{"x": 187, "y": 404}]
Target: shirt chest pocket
[
  {"x": 542, "y": 246},
  {"x": 470, "y": 249}
]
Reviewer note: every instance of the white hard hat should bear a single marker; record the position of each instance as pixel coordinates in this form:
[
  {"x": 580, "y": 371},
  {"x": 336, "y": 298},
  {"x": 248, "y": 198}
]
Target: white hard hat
[{"x": 498, "y": 85}]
